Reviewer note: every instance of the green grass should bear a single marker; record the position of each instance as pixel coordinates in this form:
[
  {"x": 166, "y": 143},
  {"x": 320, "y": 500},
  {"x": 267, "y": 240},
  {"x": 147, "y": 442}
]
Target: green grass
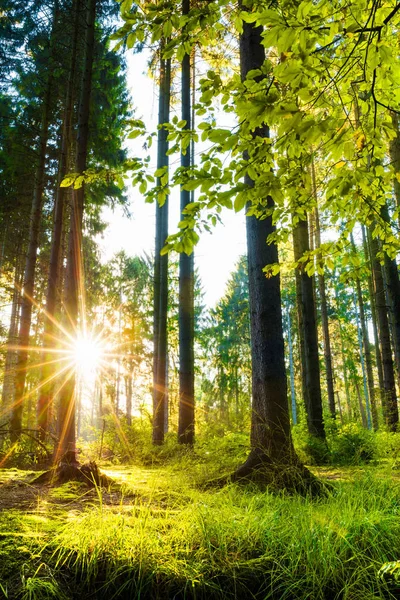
[{"x": 164, "y": 537}]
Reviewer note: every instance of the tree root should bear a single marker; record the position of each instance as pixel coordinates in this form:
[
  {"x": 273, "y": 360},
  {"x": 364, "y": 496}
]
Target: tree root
[
  {"x": 69, "y": 469},
  {"x": 287, "y": 475}
]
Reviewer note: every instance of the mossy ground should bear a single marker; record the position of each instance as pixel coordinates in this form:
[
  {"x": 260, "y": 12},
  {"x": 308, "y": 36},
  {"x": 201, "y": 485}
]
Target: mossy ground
[{"x": 157, "y": 534}]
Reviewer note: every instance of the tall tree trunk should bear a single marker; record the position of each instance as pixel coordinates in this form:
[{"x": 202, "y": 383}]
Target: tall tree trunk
[
  {"x": 271, "y": 441},
  {"x": 394, "y": 152},
  {"x": 74, "y": 275},
  {"x": 371, "y": 294},
  {"x": 49, "y": 369},
  {"x": 391, "y": 278},
  {"x": 370, "y": 396},
  {"x": 291, "y": 368},
  {"x": 186, "y": 285},
  {"x": 361, "y": 345},
  {"x": 34, "y": 230},
  {"x": 7, "y": 395},
  {"x": 160, "y": 392},
  {"x": 128, "y": 388},
  {"x": 391, "y": 412},
  {"x": 324, "y": 307},
  {"x": 308, "y": 329},
  {"x": 343, "y": 353}
]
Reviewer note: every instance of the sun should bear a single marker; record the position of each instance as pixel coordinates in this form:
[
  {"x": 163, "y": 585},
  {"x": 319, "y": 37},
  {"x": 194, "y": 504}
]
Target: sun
[{"x": 87, "y": 353}]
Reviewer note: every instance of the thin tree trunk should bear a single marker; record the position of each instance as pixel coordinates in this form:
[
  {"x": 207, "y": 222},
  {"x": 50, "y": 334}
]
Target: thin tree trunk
[
  {"x": 49, "y": 370},
  {"x": 324, "y": 307},
  {"x": 391, "y": 277},
  {"x": 186, "y": 285},
  {"x": 74, "y": 275},
  {"x": 371, "y": 293},
  {"x": 360, "y": 404},
  {"x": 128, "y": 386},
  {"x": 390, "y": 399},
  {"x": 394, "y": 152},
  {"x": 343, "y": 353},
  {"x": 7, "y": 396},
  {"x": 31, "y": 258},
  {"x": 311, "y": 371},
  {"x": 160, "y": 392},
  {"x": 361, "y": 341},
  {"x": 291, "y": 369},
  {"x": 370, "y": 396}
]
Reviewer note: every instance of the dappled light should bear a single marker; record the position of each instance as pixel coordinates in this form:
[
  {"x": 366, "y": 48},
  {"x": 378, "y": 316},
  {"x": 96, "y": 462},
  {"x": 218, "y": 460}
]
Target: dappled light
[{"x": 199, "y": 300}]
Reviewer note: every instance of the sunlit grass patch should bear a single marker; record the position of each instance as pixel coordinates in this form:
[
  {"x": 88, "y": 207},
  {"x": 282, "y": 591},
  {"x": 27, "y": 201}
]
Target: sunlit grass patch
[{"x": 239, "y": 543}]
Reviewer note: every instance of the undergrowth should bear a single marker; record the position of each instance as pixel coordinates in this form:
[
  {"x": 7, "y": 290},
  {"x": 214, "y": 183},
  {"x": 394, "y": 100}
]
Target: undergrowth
[{"x": 165, "y": 538}]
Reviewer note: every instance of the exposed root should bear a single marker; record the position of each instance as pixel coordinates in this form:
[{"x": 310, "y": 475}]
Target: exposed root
[
  {"x": 290, "y": 476},
  {"x": 69, "y": 469}
]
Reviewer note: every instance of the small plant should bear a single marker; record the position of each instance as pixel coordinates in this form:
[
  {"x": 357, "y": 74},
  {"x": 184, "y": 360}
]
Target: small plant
[{"x": 41, "y": 585}]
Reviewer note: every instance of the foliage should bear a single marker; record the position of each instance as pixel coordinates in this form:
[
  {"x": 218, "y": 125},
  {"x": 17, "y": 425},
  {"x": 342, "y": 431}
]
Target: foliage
[{"x": 164, "y": 537}]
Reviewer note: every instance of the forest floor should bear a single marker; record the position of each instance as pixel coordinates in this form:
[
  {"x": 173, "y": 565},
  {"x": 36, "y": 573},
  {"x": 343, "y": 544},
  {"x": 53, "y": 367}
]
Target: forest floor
[{"x": 156, "y": 534}]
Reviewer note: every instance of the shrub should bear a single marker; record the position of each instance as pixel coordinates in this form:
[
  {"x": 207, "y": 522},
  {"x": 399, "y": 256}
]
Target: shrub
[{"x": 353, "y": 445}]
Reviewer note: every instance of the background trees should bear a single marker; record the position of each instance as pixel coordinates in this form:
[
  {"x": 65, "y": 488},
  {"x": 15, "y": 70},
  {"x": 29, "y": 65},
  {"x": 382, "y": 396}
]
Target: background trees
[{"x": 308, "y": 147}]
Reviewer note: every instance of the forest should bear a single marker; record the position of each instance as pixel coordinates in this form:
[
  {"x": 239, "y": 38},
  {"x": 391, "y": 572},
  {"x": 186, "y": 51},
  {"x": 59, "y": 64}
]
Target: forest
[{"x": 153, "y": 446}]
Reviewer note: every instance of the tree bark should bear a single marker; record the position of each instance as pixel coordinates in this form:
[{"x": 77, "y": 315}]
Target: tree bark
[
  {"x": 371, "y": 293},
  {"x": 325, "y": 321},
  {"x": 370, "y": 396},
  {"x": 8, "y": 390},
  {"x": 160, "y": 392},
  {"x": 391, "y": 278},
  {"x": 291, "y": 368},
  {"x": 49, "y": 369},
  {"x": 394, "y": 153},
  {"x": 272, "y": 458},
  {"x": 30, "y": 264},
  {"x": 186, "y": 285},
  {"x": 308, "y": 329},
  {"x": 74, "y": 275},
  {"x": 391, "y": 412}
]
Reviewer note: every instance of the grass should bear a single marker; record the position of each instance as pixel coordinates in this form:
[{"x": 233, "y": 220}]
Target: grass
[{"x": 164, "y": 537}]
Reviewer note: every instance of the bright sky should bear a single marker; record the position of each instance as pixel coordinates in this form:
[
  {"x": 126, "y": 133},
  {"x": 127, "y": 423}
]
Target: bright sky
[{"x": 216, "y": 254}]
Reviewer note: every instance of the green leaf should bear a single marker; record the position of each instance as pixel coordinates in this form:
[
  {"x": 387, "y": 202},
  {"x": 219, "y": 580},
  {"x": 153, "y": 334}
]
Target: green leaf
[{"x": 240, "y": 202}]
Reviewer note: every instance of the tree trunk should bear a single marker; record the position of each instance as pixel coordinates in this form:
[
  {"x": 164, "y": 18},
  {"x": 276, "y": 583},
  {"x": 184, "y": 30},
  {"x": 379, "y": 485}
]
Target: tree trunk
[
  {"x": 186, "y": 285},
  {"x": 308, "y": 329},
  {"x": 394, "y": 153},
  {"x": 361, "y": 341},
  {"x": 391, "y": 413},
  {"x": 128, "y": 387},
  {"x": 391, "y": 277},
  {"x": 291, "y": 368},
  {"x": 30, "y": 264},
  {"x": 371, "y": 293},
  {"x": 7, "y": 396},
  {"x": 343, "y": 353},
  {"x": 324, "y": 312},
  {"x": 49, "y": 369},
  {"x": 272, "y": 458},
  {"x": 370, "y": 396},
  {"x": 160, "y": 392},
  {"x": 74, "y": 274}
]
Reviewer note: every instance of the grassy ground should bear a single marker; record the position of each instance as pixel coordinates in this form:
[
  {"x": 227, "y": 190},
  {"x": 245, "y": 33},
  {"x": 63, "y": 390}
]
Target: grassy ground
[{"x": 158, "y": 535}]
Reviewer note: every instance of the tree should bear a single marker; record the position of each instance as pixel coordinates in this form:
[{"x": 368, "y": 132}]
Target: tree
[
  {"x": 308, "y": 332},
  {"x": 53, "y": 284},
  {"x": 186, "y": 281},
  {"x": 36, "y": 212},
  {"x": 73, "y": 287},
  {"x": 160, "y": 367},
  {"x": 272, "y": 456}
]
